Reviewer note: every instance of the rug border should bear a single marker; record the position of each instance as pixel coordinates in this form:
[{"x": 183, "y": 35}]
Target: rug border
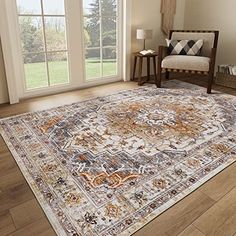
[
  {"x": 78, "y": 102},
  {"x": 116, "y": 93},
  {"x": 135, "y": 228},
  {"x": 138, "y": 226},
  {"x": 42, "y": 202}
]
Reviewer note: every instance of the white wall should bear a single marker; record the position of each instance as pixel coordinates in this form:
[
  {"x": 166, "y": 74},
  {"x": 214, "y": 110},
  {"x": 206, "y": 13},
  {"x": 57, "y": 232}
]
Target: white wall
[
  {"x": 3, "y": 82},
  {"x": 218, "y": 15},
  {"x": 146, "y": 14}
]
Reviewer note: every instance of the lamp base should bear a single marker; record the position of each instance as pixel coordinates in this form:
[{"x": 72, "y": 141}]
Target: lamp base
[{"x": 144, "y": 44}]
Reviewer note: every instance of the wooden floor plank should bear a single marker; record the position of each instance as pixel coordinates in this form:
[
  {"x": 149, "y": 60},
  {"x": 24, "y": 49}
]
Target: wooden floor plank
[
  {"x": 6, "y": 223},
  {"x": 48, "y": 232},
  {"x": 40, "y": 227},
  {"x": 26, "y": 213},
  {"x": 7, "y": 163},
  {"x": 221, "y": 218},
  {"x": 191, "y": 231},
  {"x": 15, "y": 195},
  {"x": 221, "y": 184},
  {"x": 12, "y": 178},
  {"x": 3, "y": 147},
  {"x": 177, "y": 218}
]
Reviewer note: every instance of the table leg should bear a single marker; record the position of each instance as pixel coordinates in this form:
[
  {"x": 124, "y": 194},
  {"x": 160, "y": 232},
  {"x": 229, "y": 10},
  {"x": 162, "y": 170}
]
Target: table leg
[
  {"x": 148, "y": 68},
  {"x": 155, "y": 69},
  {"x": 134, "y": 69},
  {"x": 140, "y": 71}
]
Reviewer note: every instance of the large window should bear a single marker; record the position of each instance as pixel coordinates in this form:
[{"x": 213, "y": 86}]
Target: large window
[
  {"x": 101, "y": 38},
  {"x": 63, "y": 44},
  {"x": 43, "y": 40}
]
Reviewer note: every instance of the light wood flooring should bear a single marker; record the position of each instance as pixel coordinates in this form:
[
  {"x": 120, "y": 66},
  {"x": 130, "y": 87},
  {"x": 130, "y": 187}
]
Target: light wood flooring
[{"x": 210, "y": 210}]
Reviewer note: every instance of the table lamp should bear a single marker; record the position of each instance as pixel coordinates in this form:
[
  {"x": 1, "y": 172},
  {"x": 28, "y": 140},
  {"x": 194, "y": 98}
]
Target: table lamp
[{"x": 144, "y": 35}]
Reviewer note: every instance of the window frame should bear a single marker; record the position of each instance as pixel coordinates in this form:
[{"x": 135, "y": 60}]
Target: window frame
[
  {"x": 12, "y": 51},
  {"x": 42, "y": 16},
  {"x": 118, "y": 46}
]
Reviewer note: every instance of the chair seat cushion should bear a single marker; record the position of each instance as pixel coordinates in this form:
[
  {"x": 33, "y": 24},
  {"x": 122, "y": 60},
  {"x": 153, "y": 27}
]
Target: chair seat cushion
[{"x": 181, "y": 62}]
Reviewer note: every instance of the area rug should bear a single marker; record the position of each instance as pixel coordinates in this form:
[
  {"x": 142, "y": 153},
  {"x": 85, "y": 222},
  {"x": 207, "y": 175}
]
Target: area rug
[{"x": 110, "y": 165}]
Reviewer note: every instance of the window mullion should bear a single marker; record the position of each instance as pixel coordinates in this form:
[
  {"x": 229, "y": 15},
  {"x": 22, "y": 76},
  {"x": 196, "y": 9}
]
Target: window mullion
[
  {"x": 101, "y": 44},
  {"x": 45, "y": 42},
  {"x": 43, "y": 52},
  {"x": 41, "y": 15}
]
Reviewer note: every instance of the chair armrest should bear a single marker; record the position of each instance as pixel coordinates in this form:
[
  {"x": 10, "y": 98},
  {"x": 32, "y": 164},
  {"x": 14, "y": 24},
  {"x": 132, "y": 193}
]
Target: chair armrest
[
  {"x": 162, "y": 52},
  {"x": 213, "y": 60}
]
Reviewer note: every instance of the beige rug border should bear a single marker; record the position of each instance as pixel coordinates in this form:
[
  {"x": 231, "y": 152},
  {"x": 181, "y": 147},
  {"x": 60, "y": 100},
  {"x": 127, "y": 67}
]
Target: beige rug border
[
  {"x": 42, "y": 202},
  {"x": 131, "y": 230},
  {"x": 116, "y": 93}
]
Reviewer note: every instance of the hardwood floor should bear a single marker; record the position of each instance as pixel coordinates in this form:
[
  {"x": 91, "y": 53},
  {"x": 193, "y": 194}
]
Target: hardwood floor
[{"x": 210, "y": 210}]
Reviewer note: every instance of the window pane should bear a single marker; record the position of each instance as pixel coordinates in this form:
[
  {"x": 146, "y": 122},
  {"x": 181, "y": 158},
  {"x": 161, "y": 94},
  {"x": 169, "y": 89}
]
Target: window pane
[
  {"x": 109, "y": 7},
  {"x": 92, "y": 31},
  {"x": 90, "y": 7},
  {"x": 109, "y": 62},
  {"x": 53, "y": 7},
  {"x": 101, "y": 35},
  {"x": 93, "y": 63},
  {"x": 109, "y": 31},
  {"x": 29, "y": 7},
  {"x": 31, "y": 34},
  {"x": 35, "y": 70},
  {"x": 58, "y": 68},
  {"x": 55, "y": 33}
]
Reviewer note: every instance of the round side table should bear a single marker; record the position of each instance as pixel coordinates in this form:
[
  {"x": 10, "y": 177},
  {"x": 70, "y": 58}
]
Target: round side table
[{"x": 140, "y": 56}]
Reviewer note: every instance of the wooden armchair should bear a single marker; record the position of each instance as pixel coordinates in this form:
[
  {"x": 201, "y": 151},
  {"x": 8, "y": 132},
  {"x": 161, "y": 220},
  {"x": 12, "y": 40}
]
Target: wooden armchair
[{"x": 202, "y": 65}]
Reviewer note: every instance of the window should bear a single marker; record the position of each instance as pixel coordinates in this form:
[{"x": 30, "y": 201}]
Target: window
[
  {"x": 101, "y": 38},
  {"x": 64, "y": 44},
  {"x": 44, "y": 45}
]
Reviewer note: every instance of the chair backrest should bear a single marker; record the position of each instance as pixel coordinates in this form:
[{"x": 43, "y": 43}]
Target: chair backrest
[{"x": 210, "y": 38}]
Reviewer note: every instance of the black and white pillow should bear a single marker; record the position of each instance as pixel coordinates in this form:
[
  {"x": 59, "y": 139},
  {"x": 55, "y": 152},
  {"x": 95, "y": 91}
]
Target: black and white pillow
[{"x": 185, "y": 47}]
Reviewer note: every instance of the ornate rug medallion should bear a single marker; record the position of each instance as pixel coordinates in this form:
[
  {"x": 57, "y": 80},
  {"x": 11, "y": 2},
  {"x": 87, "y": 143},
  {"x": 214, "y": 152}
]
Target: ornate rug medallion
[{"x": 109, "y": 165}]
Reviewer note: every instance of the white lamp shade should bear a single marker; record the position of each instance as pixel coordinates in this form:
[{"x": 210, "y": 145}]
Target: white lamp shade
[{"x": 144, "y": 34}]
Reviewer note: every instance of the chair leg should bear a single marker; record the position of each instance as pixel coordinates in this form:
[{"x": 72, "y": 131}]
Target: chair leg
[
  {"x": 140, "y": 71},
  {"x": 155, "y": 69},
  {"x": 158, "y": 81},
  {"x": 210, "y": 82},
  {"x": 167, "y": 75},
  {"x": 135, "y": 65}
]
